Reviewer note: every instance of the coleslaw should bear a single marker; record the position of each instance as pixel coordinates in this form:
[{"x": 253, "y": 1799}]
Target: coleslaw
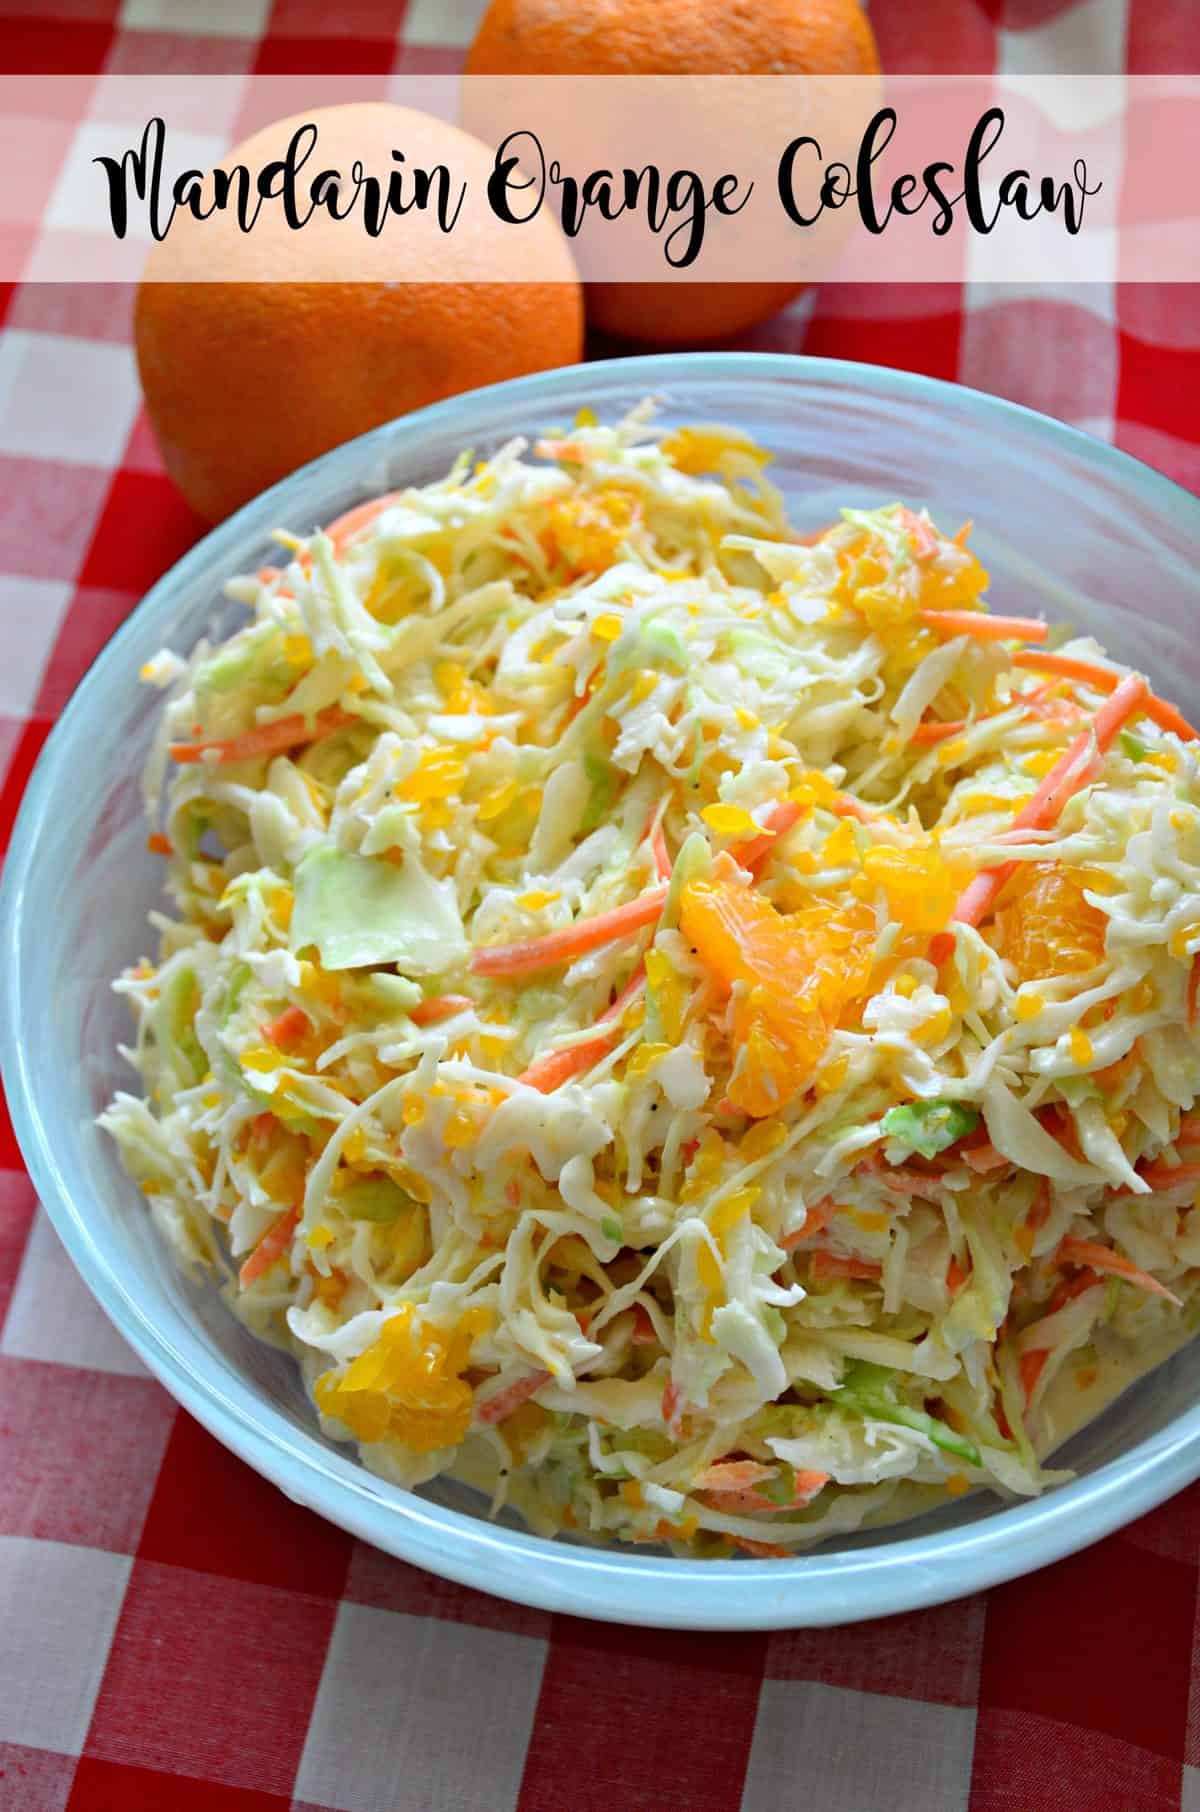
[{"x": 686, "y": 1027}]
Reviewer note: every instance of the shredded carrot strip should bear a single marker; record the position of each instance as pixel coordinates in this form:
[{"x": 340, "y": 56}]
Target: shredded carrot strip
[
  {"x": 643, "y": 1327},
  {"x": 662, "y": 856},
  {"x": 760, "y": 1550},
  {"x": 928, "y": 733},
  {"x": 732, "y": 1475},
  {"x": 1032, "y": 1364},
  {"x": 1102, "y": 1258},
  {"x": 288, "y": 1029},
  {"x": 1039, "y": 1209},
  {"x": 779, "y": 821},
  {"x": 158, "y": 844},
  {"x": 832, "y": 1264},
  {"x": 1193, "y": 989},
  {"x": 271, "y": 1247},
  {"x": 1166, "y": 1176},
  {"x": 1074, "y": 768},
  {"x": 497, "y": 1408},
  {"x": 265, "y": 739},
  {"x": 846, "y": 807},
  {"x": 984, "y": 626},
  {"x": 919, "y": 532},
  {"x": 1103, "y": 679},
  {"x": 672, "y": 1403},
  {"x": 816, "y": 1219},
  {"x": 984, "y": 1158},
  {"x": 343, "y": 528},
  {"x": 556, "y": 1067},
  {"x": 956, "y": 1275},
  {"x": 439, "y": 1006},
  {"x": 749, "y": 1502},
  {"x": 574, "y": 940}
]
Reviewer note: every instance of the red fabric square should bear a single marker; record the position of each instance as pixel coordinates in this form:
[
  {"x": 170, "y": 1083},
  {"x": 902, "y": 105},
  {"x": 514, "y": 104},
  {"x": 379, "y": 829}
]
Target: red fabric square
[
  {"x": 93, "y": 618},
  {"x": 83, "y": 1451},
  {"x": 20, "y": 767},
  {"x": 1159, "y": 385},
  {"x": 928, "y": 1655},
  {"x": 211, "y": 1677},
  {"x": 49, "y": 46},
  {"x": 1163, "y": 37},
  {"x": 386, "y": 1584},
  {"x": 349, "y": 19},
  {"x": 1103, "y": 1640},
  {"x": 1024, "y": 1763},
  {"x": 683, "y": 1707},
  {"x": 115, "y": 1787},
  {"x": 34, "y": 1780},
  {"x": 911, "y": 341},
  {"x": 939, "y": 37},
  {"x": 259, "y": 1535},
  {"x": 1165, "y": 314},
  {"x": 143, "y": 529},
  {"x": 85, "y": 311},
  {"x": 48, "y": 510},
  {"x": 17, "y": 1206},
  {"x": 325, "y": 55}
]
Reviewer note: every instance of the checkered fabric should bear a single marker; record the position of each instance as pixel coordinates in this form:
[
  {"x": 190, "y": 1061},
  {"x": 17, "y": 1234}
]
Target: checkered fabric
[{"x": 175, "y": 1634}]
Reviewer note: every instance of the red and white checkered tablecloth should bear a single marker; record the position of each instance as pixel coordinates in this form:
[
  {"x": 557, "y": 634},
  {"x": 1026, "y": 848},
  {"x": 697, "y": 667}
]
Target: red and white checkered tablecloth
[{"x": 174, "y": 1634}]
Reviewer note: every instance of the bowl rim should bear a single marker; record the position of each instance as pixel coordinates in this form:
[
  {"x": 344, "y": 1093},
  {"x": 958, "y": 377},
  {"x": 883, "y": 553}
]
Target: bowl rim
[{"x": 609, "y": 1584}]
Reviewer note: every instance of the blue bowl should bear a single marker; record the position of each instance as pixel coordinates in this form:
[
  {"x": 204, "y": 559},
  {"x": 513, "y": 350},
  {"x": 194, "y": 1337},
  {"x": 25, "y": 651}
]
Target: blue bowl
[{"x": 1065, "y": 525}]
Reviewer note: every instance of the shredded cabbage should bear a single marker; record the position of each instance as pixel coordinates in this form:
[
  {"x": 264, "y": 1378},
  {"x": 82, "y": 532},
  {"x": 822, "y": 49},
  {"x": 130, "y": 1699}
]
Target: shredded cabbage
[{"x": 563, "y": 1038}]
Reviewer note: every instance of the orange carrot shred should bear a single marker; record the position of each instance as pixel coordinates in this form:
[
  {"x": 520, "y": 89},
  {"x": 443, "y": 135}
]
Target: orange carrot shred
[
  {"x": 270, "y": 1248},
  {"x": 573, "y": 940},
  {"x": 556, "y": 1067},
  {"x": 1193, "y": 988},
  {"x": 832, "y": 1264},
  {"x": 1167, "y": 1176},
  {"x": 264, "y": 739},
  {"x": 439, "y": 1006},
  {"x": 1104, "y": 679},
  {"x": 928, "y": 733},
  {"x": 288, "y": 1029},
  {"x": 344, "y": 527},
  {"x": 1074, "y": 768},
  {"x": 1089, "y": 1253},
  {"x": 158, "y": 844},
  {"x": 985, "y": 626},
  {"x": 501, "y": 1406}
]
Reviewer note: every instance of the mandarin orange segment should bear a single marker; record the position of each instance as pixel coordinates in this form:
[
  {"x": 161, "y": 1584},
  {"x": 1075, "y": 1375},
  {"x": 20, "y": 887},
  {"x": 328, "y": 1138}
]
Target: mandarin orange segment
[
  {"x": 1046, "y": 926},
  {"x": 798, "y": 973}
]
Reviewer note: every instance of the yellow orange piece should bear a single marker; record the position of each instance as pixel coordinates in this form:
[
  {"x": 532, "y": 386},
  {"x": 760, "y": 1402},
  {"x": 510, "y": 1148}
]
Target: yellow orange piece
[{"x": 798, "y": 973}]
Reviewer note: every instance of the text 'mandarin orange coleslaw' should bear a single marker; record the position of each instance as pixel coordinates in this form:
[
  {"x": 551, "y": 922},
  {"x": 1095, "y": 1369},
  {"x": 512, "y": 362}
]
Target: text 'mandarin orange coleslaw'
[{"x": 687, "y": 1028}]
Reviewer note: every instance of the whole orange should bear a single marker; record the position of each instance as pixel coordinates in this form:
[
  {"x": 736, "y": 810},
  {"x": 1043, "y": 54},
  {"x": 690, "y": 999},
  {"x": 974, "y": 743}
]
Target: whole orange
[
  {"x": 247, "y": 379},
  {"x": 676, "y": 37}
]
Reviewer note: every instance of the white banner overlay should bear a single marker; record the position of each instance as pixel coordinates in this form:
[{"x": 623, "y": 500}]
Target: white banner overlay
[{"x": 780, "y": 179}]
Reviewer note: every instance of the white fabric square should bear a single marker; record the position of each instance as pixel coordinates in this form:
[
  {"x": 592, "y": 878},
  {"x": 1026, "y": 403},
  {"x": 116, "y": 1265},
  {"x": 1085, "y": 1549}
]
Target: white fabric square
[
  {"x": 225, "y": 18},
  {"x": 80, "y": 199},
  {"x": 398, "y": 1697},
  {"x": 1087, "y": 38},
  {"x": 58, "y": 1609},
  {"x": 65, "y": 399},
  {"x": 32, "y": 610},
  {"x": 53, "y": 1317},
  {"x": 441, "y": 23},
  {"x": 857, "y": 1751}
]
